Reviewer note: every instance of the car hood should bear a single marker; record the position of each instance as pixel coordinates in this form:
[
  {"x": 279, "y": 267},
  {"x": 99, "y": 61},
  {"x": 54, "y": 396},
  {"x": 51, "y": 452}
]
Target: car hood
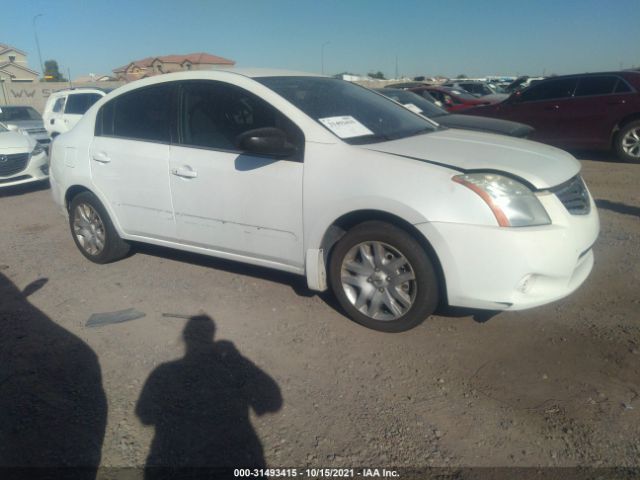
[
  {"x": 485, "y": 124},
  {"x": 27, "y": 124},
  {"x": 540, "y": 165},
  {"x": 14, "y": 142}
]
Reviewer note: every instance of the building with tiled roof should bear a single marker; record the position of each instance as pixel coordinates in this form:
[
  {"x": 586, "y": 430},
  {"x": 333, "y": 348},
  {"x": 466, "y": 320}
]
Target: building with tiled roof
[
  {"x": 150, "y": 66},
  {"x": 13, "y": 65}
]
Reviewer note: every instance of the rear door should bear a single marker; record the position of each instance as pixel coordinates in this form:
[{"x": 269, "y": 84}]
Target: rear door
[
  {"x": 227, "y": 200},
  {"x": 130, "y": 160},
  {"x": 599, "y": 102}
]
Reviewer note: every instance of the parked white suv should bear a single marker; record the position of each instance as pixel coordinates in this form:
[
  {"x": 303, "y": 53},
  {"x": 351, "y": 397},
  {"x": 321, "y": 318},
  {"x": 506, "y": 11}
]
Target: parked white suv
[
  {"x": 65, "y": 108},
  {"x": 327, "y": 179}
]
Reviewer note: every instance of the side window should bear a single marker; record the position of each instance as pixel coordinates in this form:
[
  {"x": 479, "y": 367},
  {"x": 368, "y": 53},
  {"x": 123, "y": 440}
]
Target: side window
[
  {"x": 434, "y": 94},
  {"x": 550, "y": 90},
  {"x": 59, "y": 105},
  {"x": 595, "y": 86},
  {"x": 622, "y": 87},
  {"x": 143, "y": 114},
  {"x": 79, "y": 103},
  {"x": 214, "y": 114}
]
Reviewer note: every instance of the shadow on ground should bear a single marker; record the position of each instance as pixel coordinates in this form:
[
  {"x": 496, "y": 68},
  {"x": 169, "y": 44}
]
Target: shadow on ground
[
  {"x": 23, "y": 189},
  {"x": 199, "y": 406},
  {"x": 53, "y": 408},
  {"x": 618, "y": 207},
  {"x": 297, "y": 282}
]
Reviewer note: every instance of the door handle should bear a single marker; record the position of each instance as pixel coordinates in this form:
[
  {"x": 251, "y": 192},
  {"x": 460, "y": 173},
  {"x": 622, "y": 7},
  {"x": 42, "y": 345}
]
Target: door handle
[
  {"x": 553, "y": 107},
  {"x": 617, "y": 102},
  {"x": 184, "y": 172},
  {"x": 101, "y": 157}
]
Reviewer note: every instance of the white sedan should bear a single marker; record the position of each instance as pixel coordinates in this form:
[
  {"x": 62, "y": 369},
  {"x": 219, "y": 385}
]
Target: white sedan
[
  {"x": 22, "y": 159},
  {"x": 327, "y": 179}
]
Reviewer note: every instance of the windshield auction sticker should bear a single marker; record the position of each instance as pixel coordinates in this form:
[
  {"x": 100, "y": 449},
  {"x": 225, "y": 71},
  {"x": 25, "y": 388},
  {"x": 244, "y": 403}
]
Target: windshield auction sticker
[
  {"x": 345, "y": 126},
  {"x": 414, "y": 108}
]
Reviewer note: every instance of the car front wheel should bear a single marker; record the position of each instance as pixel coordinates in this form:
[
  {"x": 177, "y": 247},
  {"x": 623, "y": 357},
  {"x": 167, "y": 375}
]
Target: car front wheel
[
  {"x": 383, "y": 278},
  {"x": 628, "y": 142},
  {"x": 92, "y": 230}
]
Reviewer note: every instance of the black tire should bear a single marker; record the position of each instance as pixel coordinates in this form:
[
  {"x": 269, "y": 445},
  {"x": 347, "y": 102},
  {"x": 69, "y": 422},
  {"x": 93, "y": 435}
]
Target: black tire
[
  {"x": 426, "y": 281},
  {"x": 114, "y": 247},
  {"x": 618, "y": 143}
]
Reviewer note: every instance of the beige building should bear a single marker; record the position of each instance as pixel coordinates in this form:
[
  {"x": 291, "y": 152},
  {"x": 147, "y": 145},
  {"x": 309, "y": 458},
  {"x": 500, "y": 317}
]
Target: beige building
[
  {"x": 150, "y": 66},
  {"x": 13, "y": 66}
]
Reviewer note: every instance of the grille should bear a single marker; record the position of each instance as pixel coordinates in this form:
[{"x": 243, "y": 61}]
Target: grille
[
  {"x": 574, "y": 196},
  {"x": 12, "y": 164},
  {"x": 36, "y": 130}
]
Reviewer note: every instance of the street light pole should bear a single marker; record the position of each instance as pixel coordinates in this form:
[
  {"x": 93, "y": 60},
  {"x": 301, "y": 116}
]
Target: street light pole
[
  {"x": 322, "y": 55},
  {"x": 35, "y": 32}
]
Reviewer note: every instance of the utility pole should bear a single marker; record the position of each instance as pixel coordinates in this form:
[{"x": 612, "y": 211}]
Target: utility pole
[
  {"x": 35, "y": 32},
  {"x": 322, "y": 55}
]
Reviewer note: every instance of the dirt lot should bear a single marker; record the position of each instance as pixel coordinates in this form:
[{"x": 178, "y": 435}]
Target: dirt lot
[{"x": 557, "y": 385}]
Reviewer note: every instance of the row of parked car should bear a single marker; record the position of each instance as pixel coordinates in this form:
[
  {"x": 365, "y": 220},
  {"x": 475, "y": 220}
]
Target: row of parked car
[
  {"x": 596, "y": 111},
  {"x": 25, "y": 135}
]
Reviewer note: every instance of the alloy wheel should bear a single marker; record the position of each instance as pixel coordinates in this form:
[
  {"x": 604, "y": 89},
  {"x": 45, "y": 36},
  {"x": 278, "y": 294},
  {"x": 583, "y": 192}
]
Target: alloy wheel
[
  {"x": 378, "y": 280},
  {"x": 88, "y": 229},
  {"x": 631, "y": 143}
]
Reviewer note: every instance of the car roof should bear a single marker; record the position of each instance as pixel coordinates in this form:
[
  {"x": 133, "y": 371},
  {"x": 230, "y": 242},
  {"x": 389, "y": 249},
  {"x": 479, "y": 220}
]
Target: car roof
[
  {"x": 15, "y": 106},
  {"x": 592, "y": 74},
  {"x": 78, "y": 90},
  {"x": 266, "y": 72}
]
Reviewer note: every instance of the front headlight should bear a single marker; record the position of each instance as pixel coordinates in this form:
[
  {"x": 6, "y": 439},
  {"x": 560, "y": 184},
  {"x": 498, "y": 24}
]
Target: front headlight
[
  {"x": 37, "y": 150},
  {"x": 512, "y": 203}
]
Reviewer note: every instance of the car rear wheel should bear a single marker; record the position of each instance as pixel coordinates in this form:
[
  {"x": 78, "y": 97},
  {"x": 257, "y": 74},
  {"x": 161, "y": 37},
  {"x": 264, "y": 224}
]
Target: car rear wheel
[
  {"x": 93, "y": 232},
  {"x": 628, "y": 143},
  {"x": 383, "y": 278}
]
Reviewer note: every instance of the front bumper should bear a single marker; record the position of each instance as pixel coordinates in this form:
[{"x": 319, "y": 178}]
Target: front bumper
[
  {"x": 36, "y": 170},
  {"x": 498, "y": 268}
]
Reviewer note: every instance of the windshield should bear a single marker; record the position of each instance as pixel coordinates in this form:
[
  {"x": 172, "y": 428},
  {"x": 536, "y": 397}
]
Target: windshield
[
  {"x": 460, "y": 93},
  {"x": 351, "y": 112},
  {"x": 13, "y": 114},
  {"x": 413, "y": 102}
]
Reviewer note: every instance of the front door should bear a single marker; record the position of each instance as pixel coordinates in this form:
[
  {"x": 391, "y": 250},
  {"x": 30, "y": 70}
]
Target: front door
[{"x": 241, "y": 204}]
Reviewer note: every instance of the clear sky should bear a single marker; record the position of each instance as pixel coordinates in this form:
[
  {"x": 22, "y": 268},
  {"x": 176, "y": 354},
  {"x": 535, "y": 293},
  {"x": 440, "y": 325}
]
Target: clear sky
[{"x": 447, "y": 37}]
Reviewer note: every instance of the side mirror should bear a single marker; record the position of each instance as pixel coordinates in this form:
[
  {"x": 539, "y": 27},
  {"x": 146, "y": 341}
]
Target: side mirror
[
  {"x": 516, "y": 97},
  {"x": 265, "y": 141}
]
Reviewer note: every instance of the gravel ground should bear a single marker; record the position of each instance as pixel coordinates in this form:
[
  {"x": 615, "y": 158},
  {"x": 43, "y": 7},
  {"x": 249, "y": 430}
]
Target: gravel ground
[{"x": 290, "y": 378}]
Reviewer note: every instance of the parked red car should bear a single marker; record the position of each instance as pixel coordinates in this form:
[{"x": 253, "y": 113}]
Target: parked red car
[
  {"x": 595, "y": 111},
  {"x": 451, "y": 99}
]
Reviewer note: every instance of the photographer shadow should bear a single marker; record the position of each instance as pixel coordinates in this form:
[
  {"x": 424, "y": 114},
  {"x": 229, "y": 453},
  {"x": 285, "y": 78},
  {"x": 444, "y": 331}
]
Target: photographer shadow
[
  {"x": 53, "y": 408},
  {"x": 199, "y": 406}
]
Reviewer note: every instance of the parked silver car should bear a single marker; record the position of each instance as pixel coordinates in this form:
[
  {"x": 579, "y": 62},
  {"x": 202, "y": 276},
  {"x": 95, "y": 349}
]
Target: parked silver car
[{"x": 26, "y": 120}]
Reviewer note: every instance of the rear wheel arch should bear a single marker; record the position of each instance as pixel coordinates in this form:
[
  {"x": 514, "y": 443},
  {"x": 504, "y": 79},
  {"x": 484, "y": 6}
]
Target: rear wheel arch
[
  {"x": 621, "y": 124},
  {"x": 72, "y": 192},
  {"x": 344, "y": 223}
]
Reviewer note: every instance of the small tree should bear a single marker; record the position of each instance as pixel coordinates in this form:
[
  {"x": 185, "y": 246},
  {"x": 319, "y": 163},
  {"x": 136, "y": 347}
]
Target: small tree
[
  {"x": 378, "y": 75},
  {"x": 52, "y": 72}
]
